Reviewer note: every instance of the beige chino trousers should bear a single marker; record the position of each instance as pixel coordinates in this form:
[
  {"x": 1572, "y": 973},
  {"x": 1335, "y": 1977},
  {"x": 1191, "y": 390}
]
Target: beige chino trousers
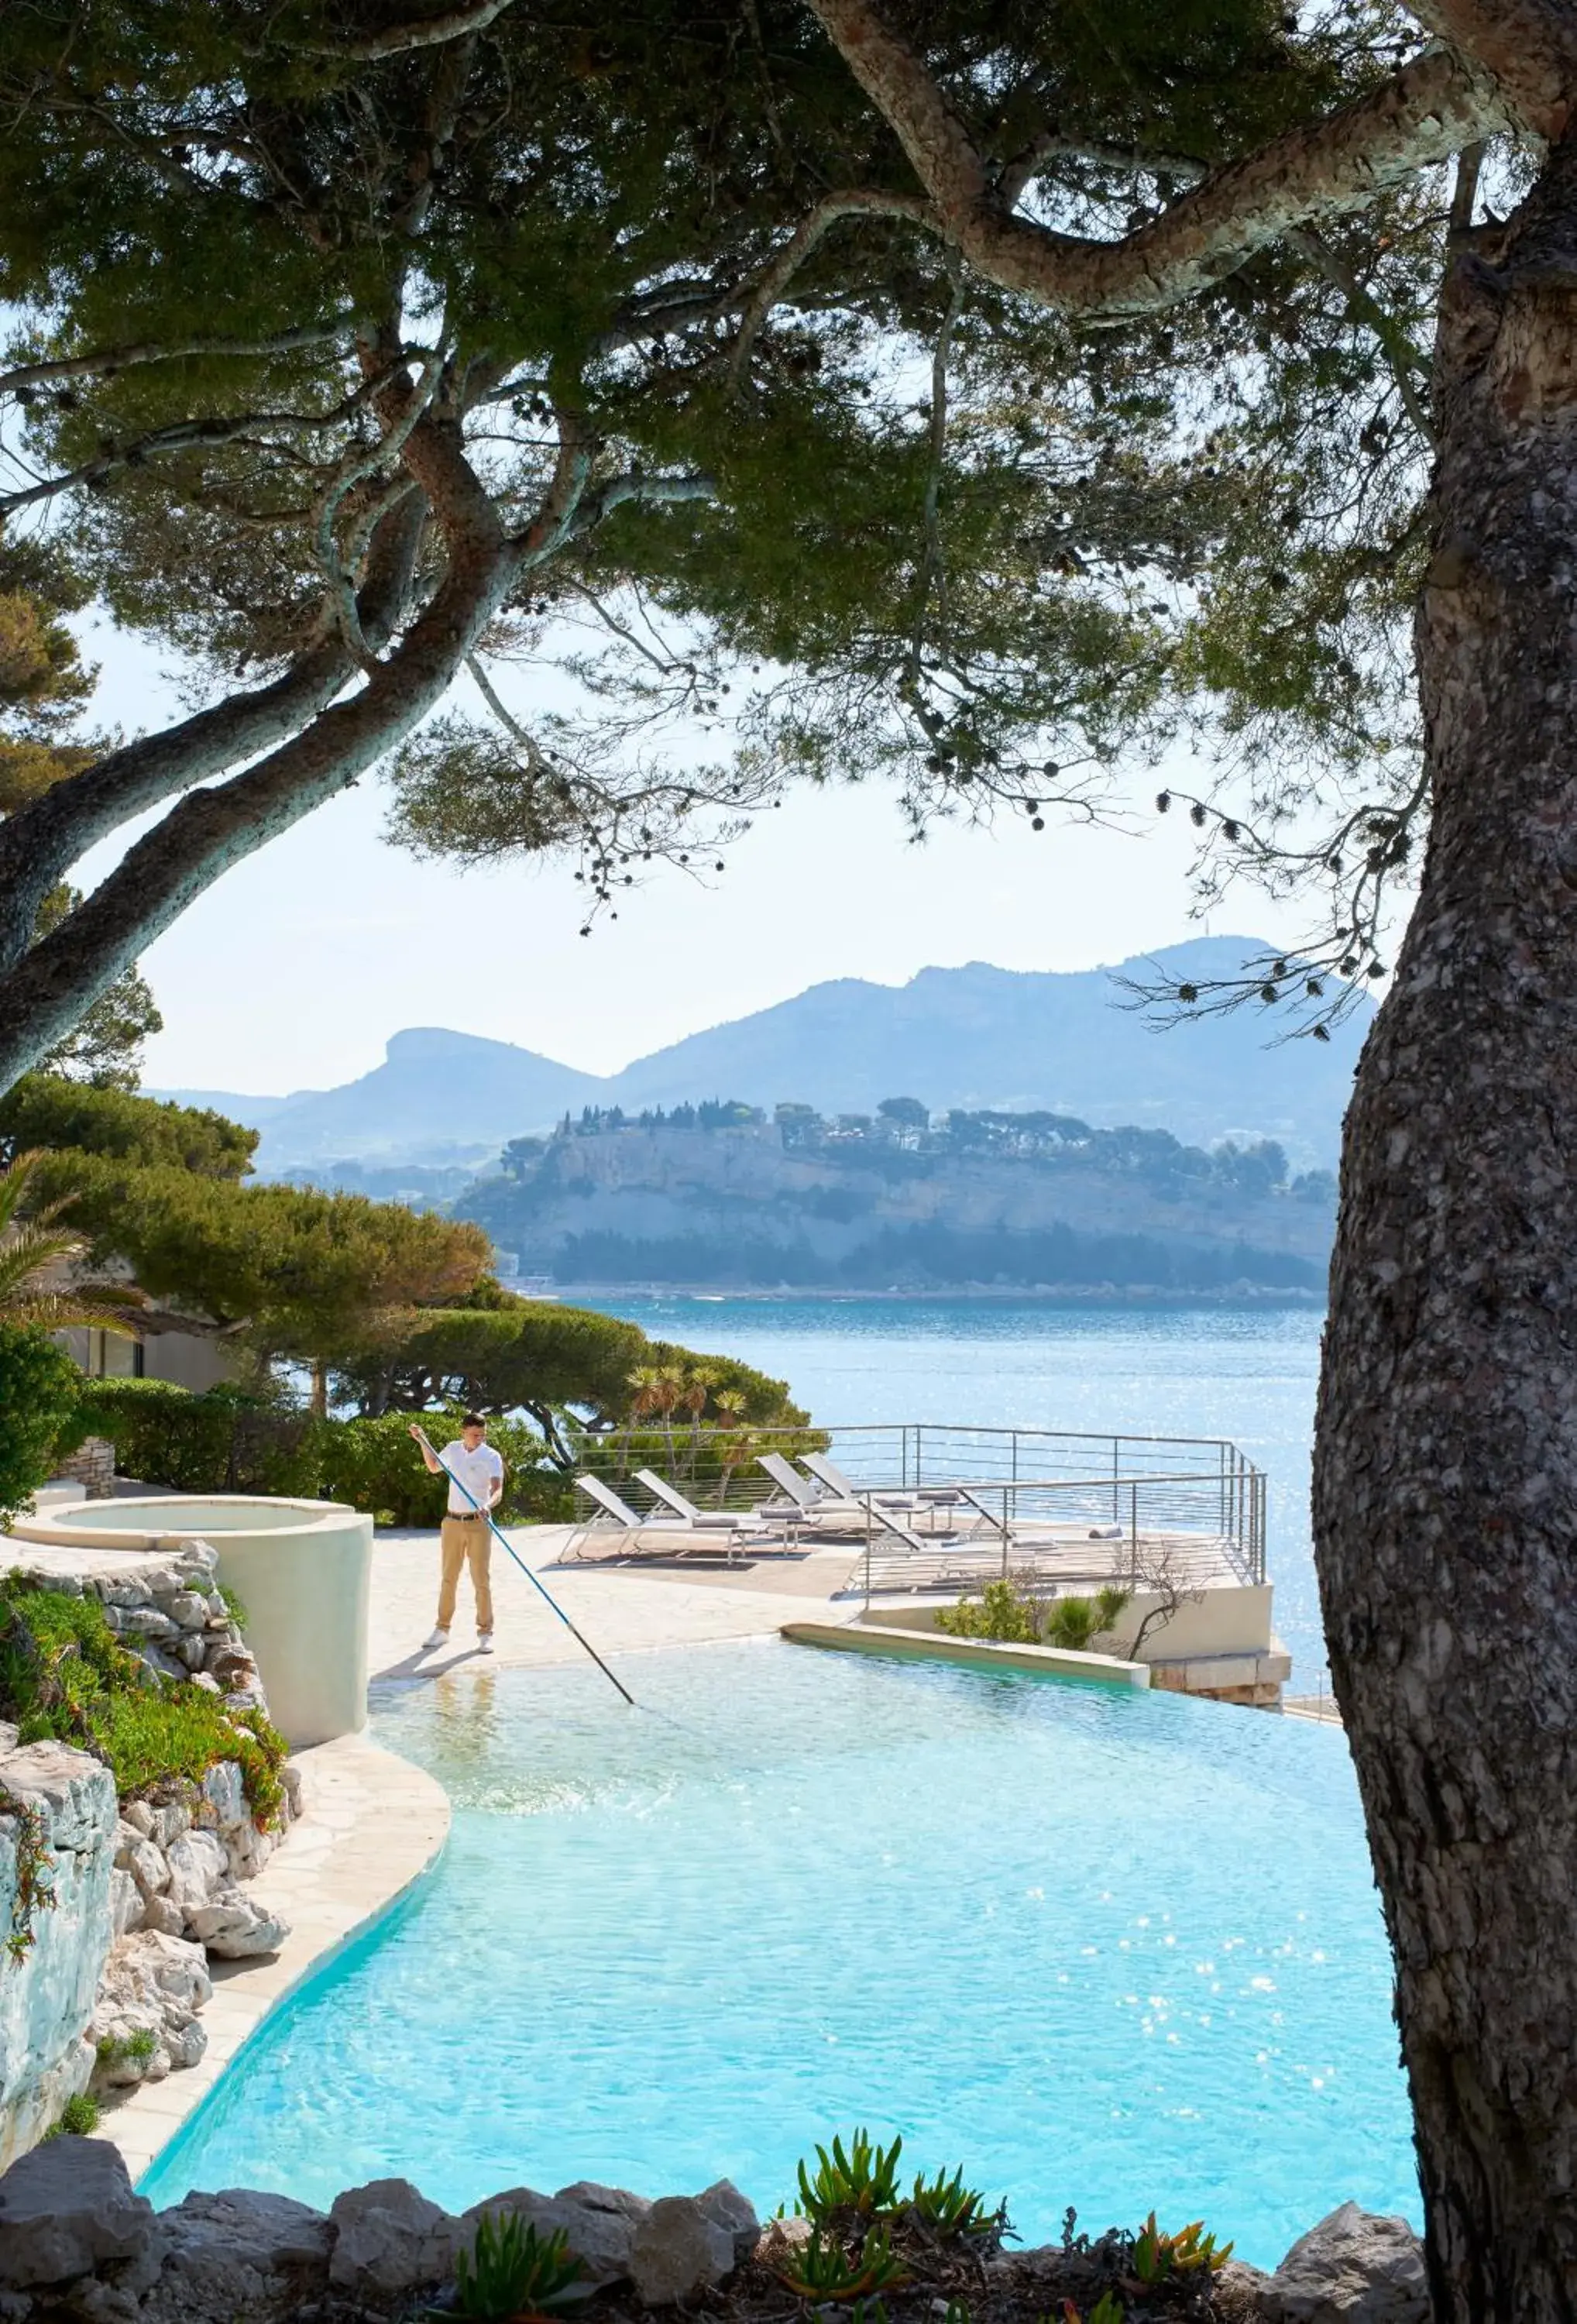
[{"x": 465, "y": 1541}]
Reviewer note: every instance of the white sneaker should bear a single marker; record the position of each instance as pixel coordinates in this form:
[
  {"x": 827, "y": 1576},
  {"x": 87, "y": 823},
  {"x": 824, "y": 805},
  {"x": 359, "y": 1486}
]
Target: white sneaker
[
  {"x": 485, "y": 1642},
  {"x": 437, "y": 1638}
]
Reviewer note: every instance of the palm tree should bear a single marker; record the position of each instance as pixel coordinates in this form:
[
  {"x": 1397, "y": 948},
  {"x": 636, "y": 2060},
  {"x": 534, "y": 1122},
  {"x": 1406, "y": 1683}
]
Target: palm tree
[
  {"x": 644, "y": 1404},
  {"x": 34, "y": 1250},
  {"x": 703, "y": 1378},
  {"x": 728, "y": 1412},
  {"x": 667, "y": 1389}
]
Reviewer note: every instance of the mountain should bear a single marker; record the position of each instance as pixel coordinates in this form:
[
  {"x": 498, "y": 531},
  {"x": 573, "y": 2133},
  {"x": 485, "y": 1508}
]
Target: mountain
[
  {"x": 436, "y": 1097},
  {"x": 969, "y": 1036}
]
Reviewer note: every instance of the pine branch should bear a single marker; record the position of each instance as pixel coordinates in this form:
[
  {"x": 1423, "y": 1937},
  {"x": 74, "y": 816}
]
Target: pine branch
[
  {"x": 1426, "y": 111},
  {"x": 813, "y": 229},
  {"x": 106, "y": 360},
  {"x": 423, "y": 33}
]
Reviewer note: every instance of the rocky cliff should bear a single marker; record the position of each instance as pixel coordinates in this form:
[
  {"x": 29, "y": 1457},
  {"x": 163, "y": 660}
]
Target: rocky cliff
[
  {"x": 57, "y": 1820},
  {"x": 746, "y": 1205}
]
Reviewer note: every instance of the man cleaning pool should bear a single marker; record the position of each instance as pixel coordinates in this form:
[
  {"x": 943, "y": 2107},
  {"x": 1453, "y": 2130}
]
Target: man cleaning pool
[{"x": 465, "y": 1540}]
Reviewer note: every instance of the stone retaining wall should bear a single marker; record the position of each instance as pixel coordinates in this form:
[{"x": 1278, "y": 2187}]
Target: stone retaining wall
[
  {"x": 91, "y": 1466},
  {"x": 110, "y": 1990},
  {"x": 77, "y": 2243}
]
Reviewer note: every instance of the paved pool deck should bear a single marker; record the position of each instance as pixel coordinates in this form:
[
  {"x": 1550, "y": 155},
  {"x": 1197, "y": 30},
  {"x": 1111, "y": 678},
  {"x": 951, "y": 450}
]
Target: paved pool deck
[{"x": 622, "y": 1608}]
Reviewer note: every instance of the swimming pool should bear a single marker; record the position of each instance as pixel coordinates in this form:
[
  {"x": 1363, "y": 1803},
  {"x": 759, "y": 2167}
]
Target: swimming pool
[{"x": 1103, "y": 1947}]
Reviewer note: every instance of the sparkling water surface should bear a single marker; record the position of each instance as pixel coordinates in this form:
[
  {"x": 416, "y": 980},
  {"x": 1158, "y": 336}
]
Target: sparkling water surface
[
  {"x": 1104, "y": 1948},
  {"x": 1247, "y": 1373}
]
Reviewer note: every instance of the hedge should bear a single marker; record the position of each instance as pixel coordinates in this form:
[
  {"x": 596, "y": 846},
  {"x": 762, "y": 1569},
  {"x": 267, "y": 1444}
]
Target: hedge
[
  {"x": 226, "y": 1442},
  {"x": 39, "y": 1386}
]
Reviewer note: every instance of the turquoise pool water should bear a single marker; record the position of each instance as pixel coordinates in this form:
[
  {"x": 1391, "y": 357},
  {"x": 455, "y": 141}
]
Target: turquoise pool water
[{"x": 1104, "y": 1948}]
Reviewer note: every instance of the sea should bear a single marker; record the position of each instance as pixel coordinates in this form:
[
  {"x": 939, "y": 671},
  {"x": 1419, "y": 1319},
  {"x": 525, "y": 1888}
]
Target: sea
[{"x": 1247, "y": 1373}]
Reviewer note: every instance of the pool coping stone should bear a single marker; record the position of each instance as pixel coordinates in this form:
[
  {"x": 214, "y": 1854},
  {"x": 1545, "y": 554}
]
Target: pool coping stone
[
  {"x": 990, "y": 1654},
  {"x": 373, "y": 1826}
]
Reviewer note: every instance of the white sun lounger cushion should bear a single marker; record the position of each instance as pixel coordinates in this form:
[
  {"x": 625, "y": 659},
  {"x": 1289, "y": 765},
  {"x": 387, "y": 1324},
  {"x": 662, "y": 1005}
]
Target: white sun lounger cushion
[{"x": 714, "y": 1520}]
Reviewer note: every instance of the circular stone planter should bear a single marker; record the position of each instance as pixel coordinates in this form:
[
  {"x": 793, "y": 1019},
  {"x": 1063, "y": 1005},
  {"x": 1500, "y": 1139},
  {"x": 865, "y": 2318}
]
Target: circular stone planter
[{"x": 302, "y": 1569}]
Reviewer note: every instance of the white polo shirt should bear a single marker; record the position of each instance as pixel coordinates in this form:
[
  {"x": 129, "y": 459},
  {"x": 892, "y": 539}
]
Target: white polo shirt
[{"x": 477, "y": 1472}]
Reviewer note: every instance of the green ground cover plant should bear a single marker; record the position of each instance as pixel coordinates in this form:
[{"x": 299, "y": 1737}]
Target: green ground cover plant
[
  {"x": 825, "y": 2269},
  {"x": 859, "y": 2177},
  {"x": 881, "y": 2249},
  {"x": 34, "y": 1891},
  {"x": 64, "y": 1674},
  {"x": 116, "y": 2049},
  {"x": 1077, "y": 1621}
]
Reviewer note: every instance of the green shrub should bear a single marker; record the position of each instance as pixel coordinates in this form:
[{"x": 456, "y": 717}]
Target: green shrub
[
  {"x": 40, "y": 1393},
  {"x": 227, "y": 1441},
  {"x": 1013, "y": 1614},
  {"x": 64, "y": 1673},
  {"x": 1076, "y": 1622},
  {"x": 115, "y": 2048},
  {"x": 78, "y": 2118},
  {"x": 1002, "y": 1611},
  {"x": 374, "y": 1465}
]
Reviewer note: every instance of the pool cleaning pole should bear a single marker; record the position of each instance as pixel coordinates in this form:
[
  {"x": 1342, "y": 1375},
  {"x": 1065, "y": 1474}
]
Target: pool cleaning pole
[{"x": 499, "y": 1535}]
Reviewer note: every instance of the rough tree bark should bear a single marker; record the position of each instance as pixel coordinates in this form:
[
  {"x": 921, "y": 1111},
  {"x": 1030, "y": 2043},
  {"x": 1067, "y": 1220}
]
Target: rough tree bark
[{"x": 1446, "y": 1476}]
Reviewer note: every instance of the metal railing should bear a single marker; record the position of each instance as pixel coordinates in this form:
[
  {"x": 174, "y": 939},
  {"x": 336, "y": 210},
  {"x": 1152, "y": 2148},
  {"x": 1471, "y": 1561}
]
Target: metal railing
[
  {"x": 1061, "y": 1532},
  {"x": 1080, "y": 1503}
]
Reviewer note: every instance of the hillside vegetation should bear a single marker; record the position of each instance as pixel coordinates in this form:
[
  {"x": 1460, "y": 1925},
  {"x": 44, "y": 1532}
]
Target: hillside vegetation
[
  {"x": 337, "y": 1319},
  {"x": 724, "y": 1194}
]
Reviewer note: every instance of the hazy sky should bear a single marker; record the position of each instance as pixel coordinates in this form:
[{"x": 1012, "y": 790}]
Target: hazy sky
[{"x": 295, "y": 968}]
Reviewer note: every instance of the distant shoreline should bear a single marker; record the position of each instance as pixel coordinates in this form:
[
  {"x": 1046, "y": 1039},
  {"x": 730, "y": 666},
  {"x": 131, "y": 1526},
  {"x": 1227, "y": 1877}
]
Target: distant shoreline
[{"x": 1246, "y": 1294}]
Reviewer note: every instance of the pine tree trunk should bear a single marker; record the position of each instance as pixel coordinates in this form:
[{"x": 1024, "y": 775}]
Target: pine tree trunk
[{"x": 1445, "y": 1488}]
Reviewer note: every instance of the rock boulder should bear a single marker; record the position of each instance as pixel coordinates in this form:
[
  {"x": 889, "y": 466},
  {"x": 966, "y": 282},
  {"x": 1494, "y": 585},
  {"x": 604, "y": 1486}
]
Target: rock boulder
[
  {"x": 598, "y": 2223},
  {"x": 734, "y": 2213},
  {"x": 153, "y": 1988},
  {"x": 237, "y": 2254},
  {"x": 233, "y": 1928},
  {"x": 389, "y": 2240},
  {"x": 679, "y": 2249},
  {"x": 197, "y": 1865},
  {"x": 65, "y": 2210},
  {"x": 1355, "y": 2268}
]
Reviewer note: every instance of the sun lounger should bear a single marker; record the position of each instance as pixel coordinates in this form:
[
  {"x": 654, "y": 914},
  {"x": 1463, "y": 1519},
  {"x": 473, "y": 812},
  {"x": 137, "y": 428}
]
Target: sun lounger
[
  {"x": 803, "y": 1492},
  {"x": 826, "y": 1472},
  {"x": 854, "y": 1512},
  {"x": 804, "y": 1501},
  {"x": 659, "y": 1531},
  {"x": 733, "y": 1521}
]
